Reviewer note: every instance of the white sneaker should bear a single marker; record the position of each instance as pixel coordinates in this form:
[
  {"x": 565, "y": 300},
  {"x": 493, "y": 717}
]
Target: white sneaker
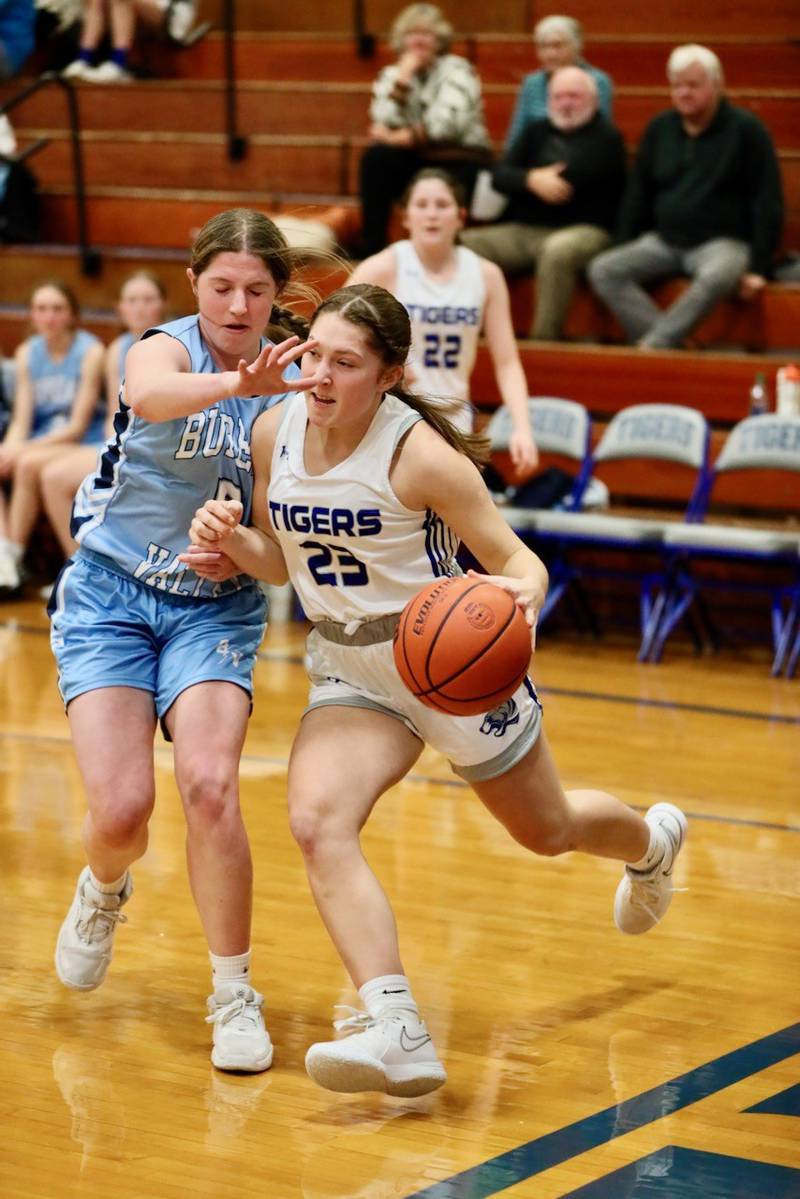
[
  {"x": 86, "y": 940},
  {"x": 180, "y": 19},
  {"x": 391, "y": 1052},
  {"x": 108, "y": 72},
  {"x": 10, "y": 579},
  {"x": 241, "y": 1041},
  {"x": 642, "y": 899},
  {"x": 77, "y": 69}
]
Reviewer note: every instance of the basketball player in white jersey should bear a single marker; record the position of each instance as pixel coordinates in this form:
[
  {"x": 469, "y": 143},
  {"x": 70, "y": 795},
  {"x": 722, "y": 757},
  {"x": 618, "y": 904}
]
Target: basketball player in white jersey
[
  {"x": 452, "y": 295},
  {"x": 368, "y": 490}
]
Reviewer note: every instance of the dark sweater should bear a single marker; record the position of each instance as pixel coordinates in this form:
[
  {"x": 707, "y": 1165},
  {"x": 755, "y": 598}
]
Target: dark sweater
[
  {"x": 725, "y": 182},
  {"x": 595, "y": 158}
]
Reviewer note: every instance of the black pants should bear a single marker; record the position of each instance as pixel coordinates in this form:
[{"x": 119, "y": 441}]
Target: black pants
[{"x": 385, "y": 173}]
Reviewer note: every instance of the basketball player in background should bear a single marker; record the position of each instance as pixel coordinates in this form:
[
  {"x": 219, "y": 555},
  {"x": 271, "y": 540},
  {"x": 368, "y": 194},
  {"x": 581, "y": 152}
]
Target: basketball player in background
[
  {"x": 368, "y": 490},
  {"x": 452, "y": 295}
]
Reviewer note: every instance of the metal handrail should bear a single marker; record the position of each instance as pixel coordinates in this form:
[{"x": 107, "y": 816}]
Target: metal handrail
[
  {"x": 365, "y": 41},
  {"x": 90, "y": 259},
  {"x": 237, "y": 143}
]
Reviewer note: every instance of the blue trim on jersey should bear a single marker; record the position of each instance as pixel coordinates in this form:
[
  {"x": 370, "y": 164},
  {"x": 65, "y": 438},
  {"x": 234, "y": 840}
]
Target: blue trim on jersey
[
  {"x": 93, "y": 504},
  {"x": 440, "y": 545}
]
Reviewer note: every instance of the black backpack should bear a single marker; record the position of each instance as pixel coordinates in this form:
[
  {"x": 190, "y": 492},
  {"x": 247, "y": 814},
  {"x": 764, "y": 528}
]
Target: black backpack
[{"x": 19, "y": 205}]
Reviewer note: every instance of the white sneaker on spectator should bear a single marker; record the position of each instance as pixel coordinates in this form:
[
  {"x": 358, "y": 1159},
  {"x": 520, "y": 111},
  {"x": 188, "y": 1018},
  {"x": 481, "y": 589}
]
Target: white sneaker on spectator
[
  {"x": 180, "y": 19},
  {"x": 642, "y": 899},
  {"x": 390, "y": 1052},
  {"x": 8, "y": 139},
  {"x": 10, "y": 578},
  {"x": 241, "y": 1040},
  {"x": 79, "y": 68},
  {"x": 108, "y": 72},
  {"x": 86, "y": 940}
]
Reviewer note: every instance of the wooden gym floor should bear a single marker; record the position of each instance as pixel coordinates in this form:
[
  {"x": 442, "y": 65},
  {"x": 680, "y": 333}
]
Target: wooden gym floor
[{"x": 581, "y": 1063}]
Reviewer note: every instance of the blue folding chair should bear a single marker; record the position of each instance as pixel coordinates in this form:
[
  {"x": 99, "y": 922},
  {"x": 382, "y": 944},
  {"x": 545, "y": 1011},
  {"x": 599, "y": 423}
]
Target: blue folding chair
[
  {"x": 766, "y": 442},
  {"x": 670, "y": 433},
  {"x": 562, "y": 428}
]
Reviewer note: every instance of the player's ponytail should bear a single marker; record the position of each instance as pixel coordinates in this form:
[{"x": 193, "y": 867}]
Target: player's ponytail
[
  {"x": 285, "y": 322},
  {"x": 386, "y": 322}
]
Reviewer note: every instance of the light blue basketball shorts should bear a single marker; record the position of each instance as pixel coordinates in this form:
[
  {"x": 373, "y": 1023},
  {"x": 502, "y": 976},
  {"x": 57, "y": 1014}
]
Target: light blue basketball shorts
[{"x": 109, "y": 630}]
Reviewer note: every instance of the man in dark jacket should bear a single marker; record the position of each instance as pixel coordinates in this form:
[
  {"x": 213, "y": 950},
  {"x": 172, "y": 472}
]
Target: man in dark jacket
[
  {"x": 564, "y": 177},
  {"x": 704, "y": 200}
]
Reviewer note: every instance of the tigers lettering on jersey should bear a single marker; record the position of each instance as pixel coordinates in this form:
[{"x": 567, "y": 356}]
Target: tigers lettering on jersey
[
  {"x": 336, "y": 522},
  {"x": 213, "y": 432},
  {"x": 432, "y": 315}
]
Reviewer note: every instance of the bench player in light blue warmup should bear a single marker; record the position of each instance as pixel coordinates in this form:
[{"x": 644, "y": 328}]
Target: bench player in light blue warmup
[
  {"x": 139, "y": 637},
  {"x": 369, "y": 489}
]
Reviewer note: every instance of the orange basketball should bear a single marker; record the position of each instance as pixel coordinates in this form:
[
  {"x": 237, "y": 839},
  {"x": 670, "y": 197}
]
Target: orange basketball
[{"x": 462, "y": 646}]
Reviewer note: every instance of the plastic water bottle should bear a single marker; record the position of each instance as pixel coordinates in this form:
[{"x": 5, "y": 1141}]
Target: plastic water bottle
[
  {"x": 759, "y": 398},
  {"x": 787, "y": 390}
]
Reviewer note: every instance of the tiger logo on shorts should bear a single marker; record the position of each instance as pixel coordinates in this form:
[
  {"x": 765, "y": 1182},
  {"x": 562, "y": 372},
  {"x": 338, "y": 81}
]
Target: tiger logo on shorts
[{"x": 499, "y": 719}]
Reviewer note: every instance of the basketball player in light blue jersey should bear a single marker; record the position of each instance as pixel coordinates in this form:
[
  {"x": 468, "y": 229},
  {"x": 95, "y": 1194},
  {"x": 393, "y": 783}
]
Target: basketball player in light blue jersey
[
  {"x": 141, "y": 305},
  {"x": 368, "y": 491},
  {"x": 57, "y": 405},
  {"x": 139, "y": 637},
  {"x": 452, "y": 296}
]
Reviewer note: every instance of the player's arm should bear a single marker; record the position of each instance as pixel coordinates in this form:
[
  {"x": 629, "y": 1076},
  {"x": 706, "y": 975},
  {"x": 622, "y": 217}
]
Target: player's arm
[
  {"x": 159, "y": 385},
  {"x": 380, "y": 269},
  {"x": 511, "y": 382},
  {"x": 428, "y": 473},
  {"x": 216, "y": 527}
]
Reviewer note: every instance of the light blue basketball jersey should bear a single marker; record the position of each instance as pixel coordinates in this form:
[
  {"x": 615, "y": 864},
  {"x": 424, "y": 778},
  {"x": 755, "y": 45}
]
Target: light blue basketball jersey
[
  {"x": 136, "y": 509},
  {"x": 55, "y": 384}
]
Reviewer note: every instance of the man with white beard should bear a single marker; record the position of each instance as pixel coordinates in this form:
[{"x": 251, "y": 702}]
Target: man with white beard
[{"x": 564, "y": 176}]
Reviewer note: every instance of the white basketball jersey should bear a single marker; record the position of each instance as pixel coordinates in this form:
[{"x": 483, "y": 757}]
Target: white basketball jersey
[
  {"x": 353, "y": 551},
  {"x": 446, "y": 320}
]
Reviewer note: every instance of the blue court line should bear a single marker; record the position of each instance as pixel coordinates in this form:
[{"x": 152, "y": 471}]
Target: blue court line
[
  {"x": 677, "y": 1173},
  {"x": 785, "y": 1103},
  {"x": 430, "y": 781},
  {"x": 555, "y": 1148},
  {"x": 673, "y": 705}
]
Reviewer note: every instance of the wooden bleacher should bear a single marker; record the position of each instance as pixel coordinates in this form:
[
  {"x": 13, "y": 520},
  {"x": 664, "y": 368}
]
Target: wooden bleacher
[{"x": 157, "y": 168}]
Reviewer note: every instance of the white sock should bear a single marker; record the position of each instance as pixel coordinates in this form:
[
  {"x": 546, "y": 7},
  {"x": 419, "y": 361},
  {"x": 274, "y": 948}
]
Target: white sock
[
  {"x": 230, "y": 972},
  {"x": 390, "y": 990},
  {"x": 114, "y": 888},
  {"x": 14, "y": 551},
  {"x": 658, "y": 849}
]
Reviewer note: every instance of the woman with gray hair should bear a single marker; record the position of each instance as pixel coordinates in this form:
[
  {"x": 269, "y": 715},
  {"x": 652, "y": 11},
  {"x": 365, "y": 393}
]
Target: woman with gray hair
[
  {"x": 426, "y": 109},
  {"x": 559, "y": 43}
]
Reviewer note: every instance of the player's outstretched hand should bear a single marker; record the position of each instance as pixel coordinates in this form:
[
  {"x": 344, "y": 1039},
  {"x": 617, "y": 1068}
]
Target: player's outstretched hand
[
  {"x": 209, "y": 564},
  {"x": 214, "y": 522},
  {"x": 264, "y": 376},
  {"x": 527, "y": 593}
]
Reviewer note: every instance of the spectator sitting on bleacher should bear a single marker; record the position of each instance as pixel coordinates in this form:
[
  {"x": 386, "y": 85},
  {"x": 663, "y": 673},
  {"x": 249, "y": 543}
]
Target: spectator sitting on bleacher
[
  {"x": 427, "y": 109},
  {"x": 117, "y": 18},
  {"x": 704, "y": 200},
  {"x": 56, "y": 402},
  {"x": 559, "y": 42},
  {"x": 141, "y": 306},
  {"x": 564, "y": 176}
]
